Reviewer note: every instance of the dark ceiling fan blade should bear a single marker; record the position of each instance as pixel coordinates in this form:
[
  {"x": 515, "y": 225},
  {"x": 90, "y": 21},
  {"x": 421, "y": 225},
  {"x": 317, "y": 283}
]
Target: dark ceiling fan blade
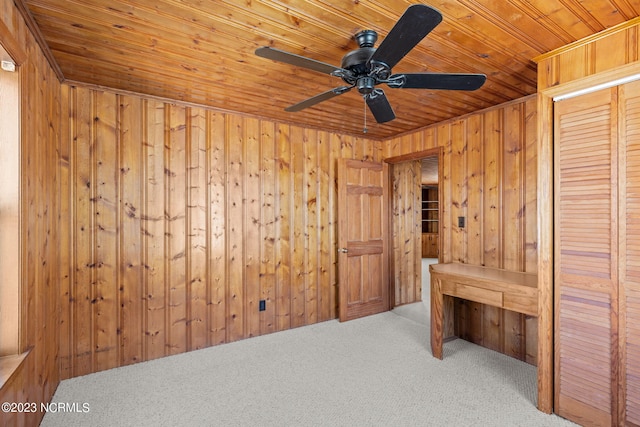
[
  {"x": 416, "y": 22},
  {"x": 379, "y": 105},
  {"x": 318, "y": 98},
  {"x": 446, "y": 81},
  {"x": 297, "y": 60}
]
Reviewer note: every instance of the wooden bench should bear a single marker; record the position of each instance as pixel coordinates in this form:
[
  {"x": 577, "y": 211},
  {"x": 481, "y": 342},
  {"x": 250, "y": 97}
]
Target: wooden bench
[{"x": 511, "y": 290}]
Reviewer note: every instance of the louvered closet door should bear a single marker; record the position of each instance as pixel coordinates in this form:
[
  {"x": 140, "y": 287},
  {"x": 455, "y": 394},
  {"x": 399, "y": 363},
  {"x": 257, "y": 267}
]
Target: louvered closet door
[
  {"x": 630, "y": 252},
  {"x": 586, "y": 278}
]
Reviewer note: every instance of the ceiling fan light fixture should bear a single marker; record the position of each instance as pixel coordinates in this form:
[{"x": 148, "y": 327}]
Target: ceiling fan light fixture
[{"x": 365, "y": 85}]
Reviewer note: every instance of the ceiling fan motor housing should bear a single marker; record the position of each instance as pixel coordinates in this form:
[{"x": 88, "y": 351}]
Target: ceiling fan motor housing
[
  {"x": 365, "y": 74},
  {"x": 356, "y": 61}
]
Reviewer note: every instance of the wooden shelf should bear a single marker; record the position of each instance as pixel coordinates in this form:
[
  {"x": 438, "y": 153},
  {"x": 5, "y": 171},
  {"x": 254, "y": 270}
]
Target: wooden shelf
[{"x": 430, "y": 209}]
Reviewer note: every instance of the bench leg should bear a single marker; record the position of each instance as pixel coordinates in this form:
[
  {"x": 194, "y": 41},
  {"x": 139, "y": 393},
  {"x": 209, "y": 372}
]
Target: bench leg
[{"x": 436, "y": 318}]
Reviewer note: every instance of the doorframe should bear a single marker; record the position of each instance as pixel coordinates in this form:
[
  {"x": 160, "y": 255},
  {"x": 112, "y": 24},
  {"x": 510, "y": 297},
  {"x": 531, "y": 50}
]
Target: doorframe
[{"x": 418, "y": 155}]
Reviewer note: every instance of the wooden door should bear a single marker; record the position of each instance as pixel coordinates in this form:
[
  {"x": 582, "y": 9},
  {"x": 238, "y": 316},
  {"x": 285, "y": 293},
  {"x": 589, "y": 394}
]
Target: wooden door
[
  {"x": 586, "y": 258},
  {"x": 362, "y": 238}
]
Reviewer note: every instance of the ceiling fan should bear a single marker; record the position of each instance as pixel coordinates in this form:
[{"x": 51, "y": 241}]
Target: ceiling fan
[{"x": 367, "y": 66}]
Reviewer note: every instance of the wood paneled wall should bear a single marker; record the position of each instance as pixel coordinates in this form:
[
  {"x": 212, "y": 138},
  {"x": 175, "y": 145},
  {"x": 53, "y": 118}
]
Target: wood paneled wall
[
  {"x": 181, "y": 219},
  {"x": 489, "y": 178},
  {"x": 37, "y": 377},
  {"x": 615, "y": 48}
]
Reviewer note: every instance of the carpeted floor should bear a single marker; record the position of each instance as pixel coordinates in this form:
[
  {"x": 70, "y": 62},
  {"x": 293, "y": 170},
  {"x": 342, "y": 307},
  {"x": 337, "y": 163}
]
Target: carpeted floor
[{"x": 375, "y": 371}]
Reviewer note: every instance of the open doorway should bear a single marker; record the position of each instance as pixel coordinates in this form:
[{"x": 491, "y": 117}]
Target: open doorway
[
  {"x": 430, "y": 220},
  {"x": 430, "y": 207},
  {"x": 407, "y": 275}
]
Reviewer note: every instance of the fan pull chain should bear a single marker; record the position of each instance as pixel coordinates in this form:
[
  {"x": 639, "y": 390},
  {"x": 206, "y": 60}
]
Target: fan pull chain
[{"x": 364, "y": 130}]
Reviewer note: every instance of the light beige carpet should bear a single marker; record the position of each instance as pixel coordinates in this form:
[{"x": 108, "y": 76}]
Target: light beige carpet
[{"x": 375, "y": 371}]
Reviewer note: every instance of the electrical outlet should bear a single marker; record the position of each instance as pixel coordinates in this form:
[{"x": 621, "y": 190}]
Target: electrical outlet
[
  {"x": 461, "y": 221},
  {"x": 263, "y": 305}
]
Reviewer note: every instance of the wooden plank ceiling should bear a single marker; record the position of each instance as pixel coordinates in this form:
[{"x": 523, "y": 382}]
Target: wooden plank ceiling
[{"x": 203, "y": 51}]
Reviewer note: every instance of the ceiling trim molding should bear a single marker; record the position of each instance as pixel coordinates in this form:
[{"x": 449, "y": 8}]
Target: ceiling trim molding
[{"x": 37, "y": 34}]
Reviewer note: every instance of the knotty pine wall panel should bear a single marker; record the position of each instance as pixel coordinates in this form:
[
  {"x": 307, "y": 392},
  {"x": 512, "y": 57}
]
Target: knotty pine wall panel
[
  {"x": 488, "y": 177},
  {"x": 37, "y": 377},
  {"x": 182, "y": 219},
  {"x": 608, "y": 50}
]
